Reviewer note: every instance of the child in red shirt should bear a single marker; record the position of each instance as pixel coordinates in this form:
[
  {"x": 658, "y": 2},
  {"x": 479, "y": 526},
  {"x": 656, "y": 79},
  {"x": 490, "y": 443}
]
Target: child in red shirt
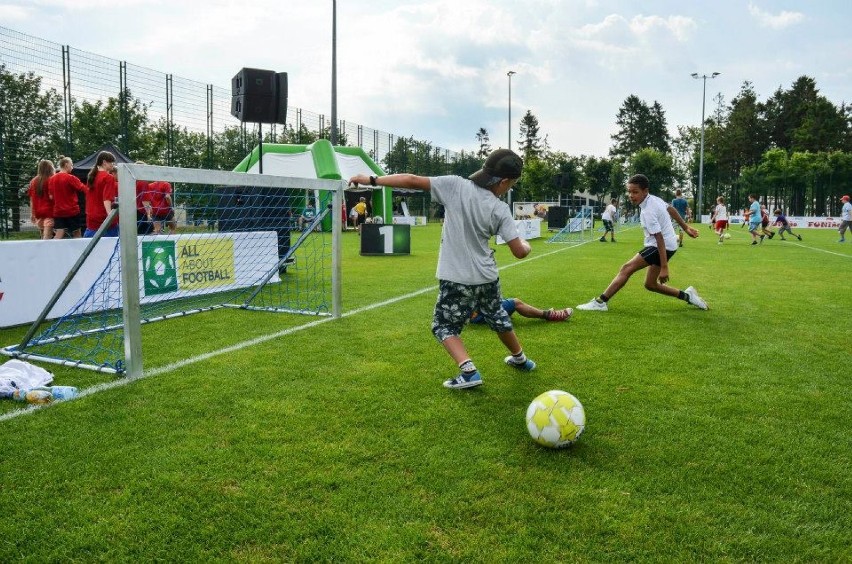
[
  {"x": 41, "y": 205},
  {"x": 64, "y": 187},
  {"x": 103, "y": 190}
]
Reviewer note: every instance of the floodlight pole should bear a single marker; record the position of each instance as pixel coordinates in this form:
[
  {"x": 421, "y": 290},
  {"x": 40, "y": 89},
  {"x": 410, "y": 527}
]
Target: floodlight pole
[
  {"x": 334, "y": 73},
  {"x": 509, "y": 74},
  {"x": 699, "y": 205}
]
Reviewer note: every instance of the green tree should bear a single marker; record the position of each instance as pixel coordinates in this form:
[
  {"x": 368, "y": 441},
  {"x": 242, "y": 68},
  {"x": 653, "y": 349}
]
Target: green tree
[
  {"x": 95, "y": 124},
  {"x": 530, "y": 143},
  {"x": 31, "y": 126},
  {"x": 659, "y": 169},
  {"x": 484, "y": 143},
  {"x": 598, "y": 175},
  {"x": 639, "y": 126}
]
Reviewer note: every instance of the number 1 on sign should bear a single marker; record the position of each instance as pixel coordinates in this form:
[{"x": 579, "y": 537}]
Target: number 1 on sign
[{"x": 386, "y": 231}]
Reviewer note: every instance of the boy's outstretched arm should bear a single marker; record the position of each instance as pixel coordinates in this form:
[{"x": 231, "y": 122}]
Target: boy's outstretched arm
[{"x": 396, "y": 180}]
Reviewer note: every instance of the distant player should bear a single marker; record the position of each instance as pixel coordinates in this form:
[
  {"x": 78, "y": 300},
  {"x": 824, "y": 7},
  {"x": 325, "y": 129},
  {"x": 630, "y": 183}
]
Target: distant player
[
  {"x": 660, "y": 245},
  {"x": 754, "y": 219},
  {"x": 764, "y": 224},
  {"x": 719, "y": 218},
  {"x": 608, "y": 218},
  {"x": 307, "y": 216},
  {"x": 845, "y": 218},
  {"x": 784, "y": 225},
  {"x": 682, "y": 207}
]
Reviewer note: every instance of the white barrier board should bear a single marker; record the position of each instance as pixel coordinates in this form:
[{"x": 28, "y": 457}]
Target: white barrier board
[
  {"x": 31, "y": 271},
  {"x": 527, "y": 229}
]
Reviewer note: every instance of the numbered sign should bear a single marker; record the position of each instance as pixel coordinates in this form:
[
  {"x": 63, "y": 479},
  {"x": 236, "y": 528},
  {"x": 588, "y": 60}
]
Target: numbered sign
[{"x": 379, "y": 239}]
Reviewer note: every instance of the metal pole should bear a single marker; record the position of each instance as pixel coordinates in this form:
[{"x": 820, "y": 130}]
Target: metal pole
[
  {"x": 699, "y": 205},
  {"x": 334, "y": 72},
  {"x": 509, "y": 74},
  {"x": 700, "y": 209}
]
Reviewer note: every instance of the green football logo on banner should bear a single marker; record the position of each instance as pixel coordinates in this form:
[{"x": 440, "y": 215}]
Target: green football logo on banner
[{"x": 159, "y": 267}]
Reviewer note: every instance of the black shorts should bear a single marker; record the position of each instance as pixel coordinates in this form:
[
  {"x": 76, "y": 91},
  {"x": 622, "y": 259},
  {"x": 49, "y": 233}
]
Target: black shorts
[
  {"x": 168, "y": 216},
  {"x": 652, "y": 255},
  {"x": 68, "y": 224}
]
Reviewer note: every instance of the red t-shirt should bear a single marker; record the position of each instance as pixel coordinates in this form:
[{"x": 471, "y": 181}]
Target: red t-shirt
[
  {"x": 105, "y": 188},
  {"x": 142, "y": 194},
  {"x": 42, "y": 205},
  {"x": 159, "y": 191},
  {"x": 64, "y": 187}
]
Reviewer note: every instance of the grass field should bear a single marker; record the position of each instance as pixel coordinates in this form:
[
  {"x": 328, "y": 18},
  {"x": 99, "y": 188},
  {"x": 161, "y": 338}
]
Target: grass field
[{"x": 712, "y": 435}]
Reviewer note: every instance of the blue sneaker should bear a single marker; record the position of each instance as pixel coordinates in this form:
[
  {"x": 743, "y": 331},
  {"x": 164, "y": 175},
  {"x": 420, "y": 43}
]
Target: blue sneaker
[
  {"x": 527, "y": 366},
  {"x": 464, "y": 381}
]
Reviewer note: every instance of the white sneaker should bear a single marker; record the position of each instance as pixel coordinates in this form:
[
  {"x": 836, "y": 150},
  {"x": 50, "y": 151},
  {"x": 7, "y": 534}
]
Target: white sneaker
[
  {"x": 695, "y": 299},
  {"x": 593, "y": 305}
]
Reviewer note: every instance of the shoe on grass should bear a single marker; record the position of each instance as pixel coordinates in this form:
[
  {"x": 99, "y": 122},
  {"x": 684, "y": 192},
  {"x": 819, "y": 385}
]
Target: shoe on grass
[
  {"x": 695, "y": 299},
  {"x": 463, "y": 381},
  {"x": 593, "y": 305},
  {"x": 799, "y": 237},
  {"x": 527, "y": 366}
]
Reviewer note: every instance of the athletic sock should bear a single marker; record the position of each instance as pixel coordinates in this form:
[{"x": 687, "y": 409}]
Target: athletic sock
[
  {"x": 681, "y": 295},
  {"x": 467, "y": 367},
  {"x": 519, "y": 358},
  {"x": 603, "y": 299}
]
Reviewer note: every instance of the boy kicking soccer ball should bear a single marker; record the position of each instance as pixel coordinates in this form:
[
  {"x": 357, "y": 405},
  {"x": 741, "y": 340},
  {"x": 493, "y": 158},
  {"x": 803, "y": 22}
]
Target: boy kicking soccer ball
[
  {"x": 660, "y": 245},
  {"x": 467, "y": 271}
]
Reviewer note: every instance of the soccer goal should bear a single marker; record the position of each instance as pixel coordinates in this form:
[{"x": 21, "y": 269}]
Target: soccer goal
[
  {"x": 579, "y": 228},
  {"x": 242, "y": 247}
]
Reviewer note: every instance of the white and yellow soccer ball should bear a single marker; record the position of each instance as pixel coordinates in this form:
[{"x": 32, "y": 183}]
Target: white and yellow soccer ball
[
  {"x": 727, "y": 235},
  {"x": 556, "y": 419}
]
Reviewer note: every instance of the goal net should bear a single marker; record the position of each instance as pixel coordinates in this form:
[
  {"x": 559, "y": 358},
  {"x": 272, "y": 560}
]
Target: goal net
[
  {"x": 578, "y": 229},
  {"x": 241, "y": 241}
]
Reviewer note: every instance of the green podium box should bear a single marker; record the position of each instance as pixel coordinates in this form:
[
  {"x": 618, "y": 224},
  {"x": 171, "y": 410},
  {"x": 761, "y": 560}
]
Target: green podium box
[{"x": 385, "y": 239}]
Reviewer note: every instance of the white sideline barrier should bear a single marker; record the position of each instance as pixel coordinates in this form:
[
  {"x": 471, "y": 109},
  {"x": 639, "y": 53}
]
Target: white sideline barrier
[
  {"x": 31, "y": 271},
  {"x": 527, "y": 228}
]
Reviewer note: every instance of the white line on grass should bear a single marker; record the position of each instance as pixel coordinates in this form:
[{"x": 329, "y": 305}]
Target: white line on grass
[
  {"x": 820, "y": 250},
  {"x": 256, "y": 341}
]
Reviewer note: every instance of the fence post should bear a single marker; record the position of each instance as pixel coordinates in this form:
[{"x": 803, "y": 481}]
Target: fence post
[
  {"x": 170, "y": 134},
  {"x": 210, "y": 126},
  {"x": 4, "y": 212},
  {"x": 122, "y": 106},
  {"x": 66, "y": 97}
]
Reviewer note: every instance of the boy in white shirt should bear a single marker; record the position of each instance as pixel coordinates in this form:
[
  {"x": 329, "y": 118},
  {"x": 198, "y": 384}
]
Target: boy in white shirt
[
  {"x": 608, "y": 218},
  {"x": 720, "y": 218},
  {"x": 660, "y": 245}
]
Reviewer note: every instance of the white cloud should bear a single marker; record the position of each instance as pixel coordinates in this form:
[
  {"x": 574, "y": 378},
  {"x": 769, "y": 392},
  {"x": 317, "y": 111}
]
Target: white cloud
[
  {"x": 781, "y": 20},
  {"x": 11, "y": 13}
]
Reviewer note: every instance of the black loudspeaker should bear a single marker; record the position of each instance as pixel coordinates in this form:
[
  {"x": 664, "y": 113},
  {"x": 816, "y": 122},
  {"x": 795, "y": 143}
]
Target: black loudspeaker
[
  {"x": 281, "y": 105},
  {"x": 557, "y": 217},
  {"x": 259, "y": 96},
  {"x": 254, "y": 82},
  {"x": 254, "y": 109}
]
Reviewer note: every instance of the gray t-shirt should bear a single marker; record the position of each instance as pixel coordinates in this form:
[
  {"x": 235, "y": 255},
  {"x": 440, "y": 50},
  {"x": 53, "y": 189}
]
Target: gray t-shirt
[{"x": 473, "y": 215}]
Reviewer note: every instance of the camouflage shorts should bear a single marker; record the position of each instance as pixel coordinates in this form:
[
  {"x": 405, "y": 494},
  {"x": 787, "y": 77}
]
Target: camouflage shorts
[{"x": 456, "y": 302}]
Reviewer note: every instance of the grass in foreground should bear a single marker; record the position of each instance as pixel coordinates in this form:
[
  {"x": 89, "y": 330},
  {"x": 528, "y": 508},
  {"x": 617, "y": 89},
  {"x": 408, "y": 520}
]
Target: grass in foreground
[{"x": 711, "y": 435}]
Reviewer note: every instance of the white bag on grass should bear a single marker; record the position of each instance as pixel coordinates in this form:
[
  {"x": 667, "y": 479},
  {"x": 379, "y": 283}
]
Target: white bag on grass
[{"x": 19, "y": 375}]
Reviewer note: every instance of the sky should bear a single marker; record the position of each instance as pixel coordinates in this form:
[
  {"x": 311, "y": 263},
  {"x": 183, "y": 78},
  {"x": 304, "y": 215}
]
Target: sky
[{"x": 437, "y": 69}]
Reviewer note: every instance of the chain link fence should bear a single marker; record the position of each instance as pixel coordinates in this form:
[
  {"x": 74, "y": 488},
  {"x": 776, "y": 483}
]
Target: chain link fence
[{"x": 56, "y": 100}]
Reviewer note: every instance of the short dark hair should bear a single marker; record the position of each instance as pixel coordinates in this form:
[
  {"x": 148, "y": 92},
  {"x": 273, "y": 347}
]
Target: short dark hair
[
  {"x": 753, "y": 197},
  {"x": 639, "y": 180}
]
